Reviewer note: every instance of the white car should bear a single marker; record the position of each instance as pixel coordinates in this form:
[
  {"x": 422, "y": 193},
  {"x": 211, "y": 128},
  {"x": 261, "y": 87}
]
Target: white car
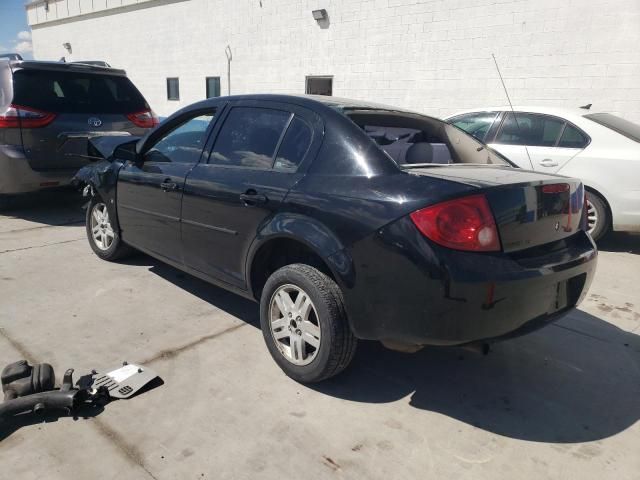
[{"x": 601, "y": 149}]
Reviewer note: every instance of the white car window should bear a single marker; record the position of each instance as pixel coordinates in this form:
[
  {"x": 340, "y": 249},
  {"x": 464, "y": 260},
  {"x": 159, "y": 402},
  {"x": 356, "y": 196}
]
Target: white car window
[{"x": 529, "y": 129}]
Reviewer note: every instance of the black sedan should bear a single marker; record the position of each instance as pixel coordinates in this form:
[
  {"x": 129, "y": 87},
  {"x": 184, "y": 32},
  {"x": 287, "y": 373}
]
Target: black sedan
[{"x": 346, "y": 221}]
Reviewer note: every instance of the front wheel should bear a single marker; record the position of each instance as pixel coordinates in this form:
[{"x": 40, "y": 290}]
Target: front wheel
[
  {"x": 304, "y": 323},
  {"x": 104, "y": 239}
]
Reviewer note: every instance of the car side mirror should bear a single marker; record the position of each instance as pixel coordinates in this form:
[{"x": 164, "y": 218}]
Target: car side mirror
[{"x": 127, "y": 152}]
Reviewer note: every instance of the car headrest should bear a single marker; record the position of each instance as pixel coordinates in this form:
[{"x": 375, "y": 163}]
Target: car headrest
[{"x": 424, "y": 152}]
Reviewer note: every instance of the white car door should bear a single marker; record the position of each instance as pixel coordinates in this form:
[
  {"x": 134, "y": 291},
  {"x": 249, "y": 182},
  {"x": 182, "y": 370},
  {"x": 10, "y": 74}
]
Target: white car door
[{"x": 537, "y": 141}]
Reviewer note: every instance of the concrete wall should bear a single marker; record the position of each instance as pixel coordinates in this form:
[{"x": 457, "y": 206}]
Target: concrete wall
[{"x": 433, "y": 56}]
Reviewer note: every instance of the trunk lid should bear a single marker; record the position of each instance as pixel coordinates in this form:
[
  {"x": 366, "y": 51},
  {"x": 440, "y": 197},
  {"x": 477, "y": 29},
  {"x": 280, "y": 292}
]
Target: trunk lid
[
  {"x": 86, "y": 102},
  {"x": 63, "y": 144},
  {"x": 530, "y": 208}
]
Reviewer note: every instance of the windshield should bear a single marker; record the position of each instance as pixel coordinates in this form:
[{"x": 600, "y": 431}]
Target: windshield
[
  {"x": 623, "y": 127},
  {"x": 412, "y": 139}
]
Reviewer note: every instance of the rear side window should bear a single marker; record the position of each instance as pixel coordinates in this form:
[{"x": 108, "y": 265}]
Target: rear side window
[
  {"x": 249, "y": 137},
  {"x": 572, "y": 138},
  {"x": 294, "y": 146},
  {"x": 76, "y": 92},
  {"x": 529, "y": 129},
  {"x": 476, "y": 124}
]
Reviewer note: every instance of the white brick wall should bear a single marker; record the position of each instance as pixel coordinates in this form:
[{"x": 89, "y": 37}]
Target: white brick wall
[{"x": 433, "y": 56}]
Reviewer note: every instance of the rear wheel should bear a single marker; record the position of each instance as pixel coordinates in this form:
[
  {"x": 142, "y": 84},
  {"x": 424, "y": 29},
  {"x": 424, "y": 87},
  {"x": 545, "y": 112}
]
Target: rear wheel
[
  {"x": 598, "y": 218},
  {"x": 304, "y": 323},
  {"x": 104, "y": 239}
]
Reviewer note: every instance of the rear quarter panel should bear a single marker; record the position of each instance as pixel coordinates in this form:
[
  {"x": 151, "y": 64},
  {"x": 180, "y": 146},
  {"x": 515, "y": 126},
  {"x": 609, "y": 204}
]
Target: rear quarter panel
[{"x": 613, "y": 170}]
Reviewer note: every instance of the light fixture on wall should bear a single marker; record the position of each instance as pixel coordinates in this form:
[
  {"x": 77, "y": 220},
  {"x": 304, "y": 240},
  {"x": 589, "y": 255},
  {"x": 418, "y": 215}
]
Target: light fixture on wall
[
  {"x": 322, "y": 17},
  {"x": 319, "y": 15},
  {"x": 67, "y": 46}
]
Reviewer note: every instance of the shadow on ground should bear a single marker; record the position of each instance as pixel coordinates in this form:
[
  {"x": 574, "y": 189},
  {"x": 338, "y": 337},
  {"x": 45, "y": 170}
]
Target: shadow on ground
[
  {"x": 575, "y": 381},
  {"x": 55, "y": 207},
  {"x": 620, "y": 242},
  {"x": 10, "y": 426}
]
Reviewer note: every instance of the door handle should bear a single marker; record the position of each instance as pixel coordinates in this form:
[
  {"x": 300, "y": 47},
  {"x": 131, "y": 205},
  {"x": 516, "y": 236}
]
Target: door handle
[
  {"x": 251, "y": 198},
  {"x": 547, "y": 162},
  {"x": 166, "y": 186}
]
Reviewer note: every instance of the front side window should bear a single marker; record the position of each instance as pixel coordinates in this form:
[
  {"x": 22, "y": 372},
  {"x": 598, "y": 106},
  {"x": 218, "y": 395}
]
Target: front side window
[
  {"x": 529, "y": 129},
  {"x": 249, "y": 137},
  {"x": 184, "y": 143},
  {"x": 476, "y": 124}
]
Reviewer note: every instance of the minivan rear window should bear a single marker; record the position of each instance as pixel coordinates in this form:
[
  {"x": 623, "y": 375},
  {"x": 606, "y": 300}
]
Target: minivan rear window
[
  {"x": 623, "y": 127},
  {"x": 76, "y": 92}
]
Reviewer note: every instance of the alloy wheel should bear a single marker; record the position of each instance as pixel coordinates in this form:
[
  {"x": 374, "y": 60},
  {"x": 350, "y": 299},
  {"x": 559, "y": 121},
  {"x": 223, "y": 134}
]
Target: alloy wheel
[
  {"x": 295, "y": 325},
  {"x": 101, "y": 229},
  {"x": 592, "y": 217}
]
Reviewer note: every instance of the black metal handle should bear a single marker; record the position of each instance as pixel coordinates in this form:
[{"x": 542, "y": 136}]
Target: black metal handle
[
  {"x": 251, "y": 197},
  {"x": 166, "y": 186}
]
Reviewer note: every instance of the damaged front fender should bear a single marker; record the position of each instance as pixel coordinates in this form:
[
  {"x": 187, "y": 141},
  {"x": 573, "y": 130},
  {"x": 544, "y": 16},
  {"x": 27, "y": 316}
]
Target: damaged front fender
[{"x": 101, "y": 177}]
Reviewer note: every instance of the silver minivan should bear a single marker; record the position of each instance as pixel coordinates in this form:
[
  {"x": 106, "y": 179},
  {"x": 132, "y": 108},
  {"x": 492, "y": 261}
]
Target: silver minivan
[{"x": 49, "y": 110}]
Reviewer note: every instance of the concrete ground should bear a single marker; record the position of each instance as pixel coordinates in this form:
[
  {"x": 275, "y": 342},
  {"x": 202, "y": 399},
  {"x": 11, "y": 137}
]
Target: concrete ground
[{"x": 563, "y": 402}]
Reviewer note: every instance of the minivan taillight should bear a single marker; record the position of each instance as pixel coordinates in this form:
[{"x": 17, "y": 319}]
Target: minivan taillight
[
  {"x": 144, "y": 119},
  {"x": 462, "y": 224},
  {"x": 17, "y": 116}
]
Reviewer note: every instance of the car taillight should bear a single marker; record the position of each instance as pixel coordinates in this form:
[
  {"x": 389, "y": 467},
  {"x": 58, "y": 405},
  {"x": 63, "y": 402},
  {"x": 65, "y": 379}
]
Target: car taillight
[
  {"x": 17, "y": 116},
  {"x": 463, "y": 224},
  {"x": 144, "y": 119}
]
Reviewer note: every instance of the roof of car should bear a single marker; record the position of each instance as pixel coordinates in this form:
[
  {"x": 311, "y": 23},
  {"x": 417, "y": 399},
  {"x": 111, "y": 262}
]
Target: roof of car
[
  {"x": 559, "y": 111},
  {"x": 311, "y": 101},
  {"x": 62, "y": 66}
]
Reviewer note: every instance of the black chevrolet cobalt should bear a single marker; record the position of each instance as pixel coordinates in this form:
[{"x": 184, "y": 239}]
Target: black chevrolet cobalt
[{"x": 345, "y": 220}]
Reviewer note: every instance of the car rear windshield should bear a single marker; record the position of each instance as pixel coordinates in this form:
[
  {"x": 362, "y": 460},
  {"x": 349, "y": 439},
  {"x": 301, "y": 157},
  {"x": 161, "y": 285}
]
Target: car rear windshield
[
  {"x": 623, "y": 127},
  {"x": 412, "y": 139},
  {"x": 76, "y": 92}
]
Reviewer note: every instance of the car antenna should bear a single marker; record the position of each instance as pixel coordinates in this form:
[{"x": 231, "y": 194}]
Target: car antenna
[
  {"x": 587, "y": 106},
  {"x": 511, "y": 105}
]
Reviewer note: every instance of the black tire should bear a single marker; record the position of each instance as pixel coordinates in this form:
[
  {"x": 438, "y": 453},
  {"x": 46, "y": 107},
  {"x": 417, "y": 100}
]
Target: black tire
[
  {"x": 117, "y": 250},
  {"x": 603, "y": 223},
  {"x": 337, "y": 344}
]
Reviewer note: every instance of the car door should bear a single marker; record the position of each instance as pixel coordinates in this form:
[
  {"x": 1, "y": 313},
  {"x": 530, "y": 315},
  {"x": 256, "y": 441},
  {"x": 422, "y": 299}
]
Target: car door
[
  {"x": 533, "y": 141},
  {"x": 150, "y": 191},
  {"x": 256, "y": 157}
]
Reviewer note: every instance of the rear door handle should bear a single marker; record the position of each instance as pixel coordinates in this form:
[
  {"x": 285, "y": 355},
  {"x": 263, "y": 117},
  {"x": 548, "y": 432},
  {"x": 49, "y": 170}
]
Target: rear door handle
[
  {"x": 166, "y": 186},
  {"x": 251, "y": 197},
  {"x": 547, "y": 162}
]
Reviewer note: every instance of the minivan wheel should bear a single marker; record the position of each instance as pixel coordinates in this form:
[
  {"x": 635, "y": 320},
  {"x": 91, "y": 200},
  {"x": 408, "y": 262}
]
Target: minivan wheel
[
  {"x": 598, "y": 219},
  {"x": 104, "y": 239},
  {"x": 304, "y": 323}
]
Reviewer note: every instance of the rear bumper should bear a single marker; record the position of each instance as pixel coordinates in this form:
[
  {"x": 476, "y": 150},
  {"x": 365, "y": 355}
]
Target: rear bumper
[
  {"x": 409, "y": 290},
  {"x": 16, "y": 176}
]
